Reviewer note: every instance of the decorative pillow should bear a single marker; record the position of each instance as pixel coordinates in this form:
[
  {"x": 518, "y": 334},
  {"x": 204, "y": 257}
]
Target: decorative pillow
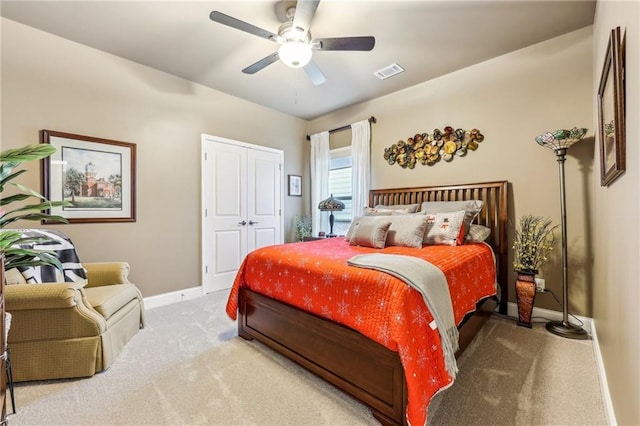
[
  {"x": 376, "y": 211},
  {"x": 407, "y": 231},
  {"x": 73, "y": 271},
  {"x": 445, "y": 228},
  {"x": 369, "y": 232},
  {"x": 471, "y": 208},
  {"x": 412, "y": 208},
  {"x": 352, "y": 226},
  {"x": 477, "y": 234}
]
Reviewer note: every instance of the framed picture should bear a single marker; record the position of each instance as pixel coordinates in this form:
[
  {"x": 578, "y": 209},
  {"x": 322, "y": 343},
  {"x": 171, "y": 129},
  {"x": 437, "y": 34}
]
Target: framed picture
[
  {"x": 97, "y": 176},
  {"x": 295, "y": 186},
  {"x": 611, "y": 112}
]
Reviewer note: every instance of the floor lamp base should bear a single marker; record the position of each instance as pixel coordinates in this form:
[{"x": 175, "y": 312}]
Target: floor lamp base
[{"x": 567, "y": 330}]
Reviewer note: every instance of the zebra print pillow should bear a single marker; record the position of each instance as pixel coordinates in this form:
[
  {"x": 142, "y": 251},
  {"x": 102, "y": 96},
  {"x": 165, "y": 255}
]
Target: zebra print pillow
[{"x": 73, "y": 271}]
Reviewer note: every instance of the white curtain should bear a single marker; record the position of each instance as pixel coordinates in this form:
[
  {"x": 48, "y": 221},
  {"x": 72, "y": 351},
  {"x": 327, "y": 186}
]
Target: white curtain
[
  {"x": 319, "y": 180},
  {"x": 360, "y": 166}
]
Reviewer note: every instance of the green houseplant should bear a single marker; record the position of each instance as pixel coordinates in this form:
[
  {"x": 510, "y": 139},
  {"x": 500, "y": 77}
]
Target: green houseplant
[
  {"x": 303, "y": 227},
  {"x": 24, "y": 204}
]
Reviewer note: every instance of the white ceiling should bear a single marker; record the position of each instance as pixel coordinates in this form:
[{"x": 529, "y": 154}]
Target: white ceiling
[{"x": 427, "y": 38}]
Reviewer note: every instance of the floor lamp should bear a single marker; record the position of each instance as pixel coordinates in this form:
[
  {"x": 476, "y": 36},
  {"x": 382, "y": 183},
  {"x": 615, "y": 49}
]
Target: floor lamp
[
  {"x": 559, "y": 141},
  {"x": 331, "y": 204}
]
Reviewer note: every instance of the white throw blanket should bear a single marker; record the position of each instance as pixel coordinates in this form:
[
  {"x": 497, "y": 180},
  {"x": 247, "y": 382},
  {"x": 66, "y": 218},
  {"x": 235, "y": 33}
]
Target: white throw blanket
[{"x": 431, "y": 282}]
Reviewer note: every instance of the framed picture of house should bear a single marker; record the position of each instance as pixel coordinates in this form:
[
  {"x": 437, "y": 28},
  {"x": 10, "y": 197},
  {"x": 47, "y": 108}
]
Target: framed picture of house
[
  {"x": 611, "y": 114},
  {"x": 295, "y": 186},
  {"x": 96, "y": 176}
]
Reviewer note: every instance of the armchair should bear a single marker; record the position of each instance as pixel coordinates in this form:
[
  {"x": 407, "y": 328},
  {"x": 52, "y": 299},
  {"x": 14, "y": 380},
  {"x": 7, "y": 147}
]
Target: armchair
[{"x": 65, "y": 330}]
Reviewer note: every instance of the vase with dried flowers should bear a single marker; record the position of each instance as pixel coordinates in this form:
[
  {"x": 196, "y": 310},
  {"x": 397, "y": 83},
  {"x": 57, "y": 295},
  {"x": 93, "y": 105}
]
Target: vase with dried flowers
[{"x": 534, "y": 239}]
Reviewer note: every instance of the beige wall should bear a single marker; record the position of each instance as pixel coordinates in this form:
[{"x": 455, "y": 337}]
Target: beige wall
[
  {"x": 616, "y": 245},
  {"x": 511, "y": 99},
  {"x": 52, "y": 83}
]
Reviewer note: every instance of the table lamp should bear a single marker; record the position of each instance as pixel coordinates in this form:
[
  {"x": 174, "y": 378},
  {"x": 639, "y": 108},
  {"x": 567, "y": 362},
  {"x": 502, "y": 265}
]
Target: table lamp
[{"x": 331, "y": 204}]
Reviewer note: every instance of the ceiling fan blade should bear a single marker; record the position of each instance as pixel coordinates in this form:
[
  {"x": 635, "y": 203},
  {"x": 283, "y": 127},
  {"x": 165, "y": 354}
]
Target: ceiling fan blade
[
  {"x": 229, "y": 21},
  {"x": 315, "y": 75},
  {"x": 262, "y": 63},
  {"x": 364, "y": 43},
  {"x": 305, "y": 10}
]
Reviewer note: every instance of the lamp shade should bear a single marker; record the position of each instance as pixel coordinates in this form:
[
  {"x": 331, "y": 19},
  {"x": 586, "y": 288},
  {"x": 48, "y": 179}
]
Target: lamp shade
[
  {"x": 561, "y": 139},
  {"x": 331, "y": 204},
  {"x": 295, "y": 54}
]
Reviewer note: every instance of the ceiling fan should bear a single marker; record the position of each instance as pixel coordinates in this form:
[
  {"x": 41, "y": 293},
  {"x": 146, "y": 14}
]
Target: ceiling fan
[{"x": 294, "y": 37}]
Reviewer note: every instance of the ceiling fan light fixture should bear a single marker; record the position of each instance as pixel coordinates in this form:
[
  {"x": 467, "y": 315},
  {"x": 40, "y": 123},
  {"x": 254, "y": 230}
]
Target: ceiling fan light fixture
[
  {"x": 295, "y": 54},
  {"x": 294, "y": 38}
]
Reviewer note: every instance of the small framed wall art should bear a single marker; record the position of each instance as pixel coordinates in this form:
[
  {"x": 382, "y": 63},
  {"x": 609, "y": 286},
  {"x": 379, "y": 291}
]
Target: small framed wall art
[
  {"x": 96, "y": 176},
  {"x": 295, "y": 186},
  {"x": 611, "y": 114}
]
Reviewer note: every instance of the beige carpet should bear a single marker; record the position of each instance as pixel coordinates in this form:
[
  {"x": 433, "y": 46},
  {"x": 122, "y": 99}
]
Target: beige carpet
[
  {"x": 188, "y": 367},
  {"x": 512, "y": 375}
]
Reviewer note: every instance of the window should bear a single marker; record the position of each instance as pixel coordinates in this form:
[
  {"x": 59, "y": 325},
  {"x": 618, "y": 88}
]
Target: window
[{"x": 340, "y": 186}]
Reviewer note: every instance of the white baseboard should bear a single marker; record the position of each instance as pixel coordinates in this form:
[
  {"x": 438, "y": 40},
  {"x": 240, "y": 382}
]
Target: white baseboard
[
  {"x": 172, "y": 297},
  {"x": 604, "y": 385},
  {"x": 512, "y": 311}
]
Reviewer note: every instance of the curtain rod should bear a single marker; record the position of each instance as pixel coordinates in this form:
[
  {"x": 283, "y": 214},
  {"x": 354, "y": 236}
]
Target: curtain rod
[{"x": 372, "y": 119}]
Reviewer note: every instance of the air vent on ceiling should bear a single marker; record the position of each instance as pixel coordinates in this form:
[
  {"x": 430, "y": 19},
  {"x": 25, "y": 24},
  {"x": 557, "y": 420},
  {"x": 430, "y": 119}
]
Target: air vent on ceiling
[{"x": 388, "y": 71}]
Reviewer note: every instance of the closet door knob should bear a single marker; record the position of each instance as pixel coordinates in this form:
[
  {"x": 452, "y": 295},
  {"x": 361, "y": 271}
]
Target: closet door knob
[
  {"x": 252, "y": 222},
  {"x": 243, "y": 223}
]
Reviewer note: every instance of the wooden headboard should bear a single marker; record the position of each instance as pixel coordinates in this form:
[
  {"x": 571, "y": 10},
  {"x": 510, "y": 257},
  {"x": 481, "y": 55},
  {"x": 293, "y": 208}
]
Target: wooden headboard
[{"x": 492, "y": 215}]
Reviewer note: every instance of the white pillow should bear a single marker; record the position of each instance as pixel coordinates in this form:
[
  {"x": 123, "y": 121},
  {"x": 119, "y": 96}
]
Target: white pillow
[
  {"x": 407, "y": 231},
  {"x": 411, "y": 207},
  {"x": 471, "y": 208},
  {"x": 380, "y": 211},
  {"x": 352, "y": 227},
  {"x": 369, "y": 232},
  {"x": 477, "y": 234},
  {"x": 444, "y": 228}
]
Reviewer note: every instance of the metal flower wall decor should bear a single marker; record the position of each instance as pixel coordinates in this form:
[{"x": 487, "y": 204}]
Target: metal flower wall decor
[{"x": 428, "y": 149}]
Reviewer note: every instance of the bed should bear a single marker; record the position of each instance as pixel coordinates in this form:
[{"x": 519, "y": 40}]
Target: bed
[{"x": 365, "y": 366}]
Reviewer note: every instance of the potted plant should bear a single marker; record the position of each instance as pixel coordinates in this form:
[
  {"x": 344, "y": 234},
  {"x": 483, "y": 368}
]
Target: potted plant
[
  {"x": 11, "y": 240},
  {"x": 534, "y": 239},
  {"x": 303, "y": 227}
]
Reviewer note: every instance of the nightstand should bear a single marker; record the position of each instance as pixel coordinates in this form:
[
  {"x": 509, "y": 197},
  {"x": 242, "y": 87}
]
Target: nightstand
[{"x": 305, "y": 239}]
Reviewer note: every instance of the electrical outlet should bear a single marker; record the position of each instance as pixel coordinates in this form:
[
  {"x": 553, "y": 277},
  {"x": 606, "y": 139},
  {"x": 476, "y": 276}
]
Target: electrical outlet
[{"x": 540, "y": 285}]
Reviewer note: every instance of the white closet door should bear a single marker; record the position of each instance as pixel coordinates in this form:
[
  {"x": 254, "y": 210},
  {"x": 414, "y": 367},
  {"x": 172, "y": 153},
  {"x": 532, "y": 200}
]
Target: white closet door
[
  {"x": 263, "y": 198},
  {"x": 225, "y": 224},
  {"x": 242, "y": 206}
]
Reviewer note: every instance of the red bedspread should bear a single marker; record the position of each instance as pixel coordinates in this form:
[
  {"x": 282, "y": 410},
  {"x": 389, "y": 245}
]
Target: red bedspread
[{"x": 315, "y": 277}]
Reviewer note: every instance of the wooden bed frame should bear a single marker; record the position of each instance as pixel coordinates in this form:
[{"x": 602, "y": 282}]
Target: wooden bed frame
[{"x": 347, "y": 359}]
